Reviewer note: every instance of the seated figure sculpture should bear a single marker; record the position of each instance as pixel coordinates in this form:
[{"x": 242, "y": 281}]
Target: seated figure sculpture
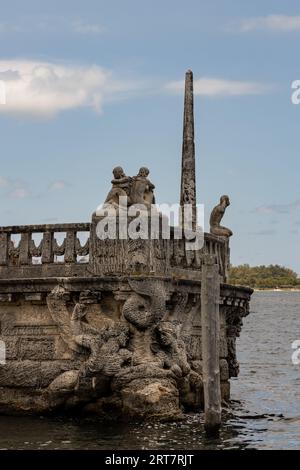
[
  {"x": 142, "y": 189},
  {"x": 138, "y": 190},
  {"x": 120, "y": 187},
  {"x": 216, "y": 217}
]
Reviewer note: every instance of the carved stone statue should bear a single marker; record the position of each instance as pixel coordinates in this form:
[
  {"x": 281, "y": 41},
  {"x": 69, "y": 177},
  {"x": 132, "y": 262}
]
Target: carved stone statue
[
  {"x": 142, "y": 189},
  {"x": 105, "y": 349},
  {"x": 120, "y": 187},
  {"x": 172, "y": 350},
  {"x": 216, "y": 217},
  {"x": 138, "y": 190}
]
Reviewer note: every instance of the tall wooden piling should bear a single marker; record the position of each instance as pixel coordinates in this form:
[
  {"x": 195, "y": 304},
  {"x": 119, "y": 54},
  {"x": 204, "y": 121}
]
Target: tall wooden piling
[{"x": 210, "y": 321}]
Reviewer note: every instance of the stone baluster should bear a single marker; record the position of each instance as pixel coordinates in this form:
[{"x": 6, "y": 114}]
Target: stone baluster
[
  {"x": 198, "y": 254},
  {"x": 70, "y": 250},
  {"x": 4, "y": 240},
  {"x": 226, "y": 251},
  {"x": 24, "y": 254},
  {"x": 47, "y": 250}
]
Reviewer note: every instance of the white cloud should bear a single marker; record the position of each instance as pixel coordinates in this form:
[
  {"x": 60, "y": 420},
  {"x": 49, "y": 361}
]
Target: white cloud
[
  {"x": 220, "y": 87},
  {"x": 15, "y": 189},
  {"x": 281, "y": 23},
  {"x": 9, "y": 75},
  {"x": 19, "y": 193},
  {"x": 57, "y": 185},
  {"x": 19, "y": 189},
  {"x": 52, "y": 25},
  {"x": 46, "y": 88}
]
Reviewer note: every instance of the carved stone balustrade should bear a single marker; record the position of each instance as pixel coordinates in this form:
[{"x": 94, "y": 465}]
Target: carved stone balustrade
[
  {"x": 26, "y": 257},
  {"x": 72, "y": 256}
]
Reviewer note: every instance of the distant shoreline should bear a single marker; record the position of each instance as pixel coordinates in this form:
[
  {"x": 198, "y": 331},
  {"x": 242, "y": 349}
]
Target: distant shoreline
[
  {"x": 280, "y": 289},
  {"x": 272, "y": 278}
]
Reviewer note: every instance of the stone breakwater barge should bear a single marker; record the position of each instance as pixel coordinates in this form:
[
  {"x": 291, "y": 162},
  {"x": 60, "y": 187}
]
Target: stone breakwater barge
[{"x": 125, "y": 328}]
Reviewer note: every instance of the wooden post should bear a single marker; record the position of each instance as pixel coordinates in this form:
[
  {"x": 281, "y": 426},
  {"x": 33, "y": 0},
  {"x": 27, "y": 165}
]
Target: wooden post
[{"x": 210, "y": 321}]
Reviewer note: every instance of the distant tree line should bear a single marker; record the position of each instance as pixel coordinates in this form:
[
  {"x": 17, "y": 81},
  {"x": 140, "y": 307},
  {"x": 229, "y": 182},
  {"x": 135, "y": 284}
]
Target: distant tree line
[{"x": 263, "y": 277}]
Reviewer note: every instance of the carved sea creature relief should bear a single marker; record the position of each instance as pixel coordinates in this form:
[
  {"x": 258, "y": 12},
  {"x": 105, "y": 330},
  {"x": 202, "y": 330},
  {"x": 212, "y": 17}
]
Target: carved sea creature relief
[
  {"x": 144, "y": 308},
  {"x": 155, "y": 339},
  {"x": 140, "y": 349},
  {"x": 106, "y": 347},
  {"x": 171, "y": 349}
]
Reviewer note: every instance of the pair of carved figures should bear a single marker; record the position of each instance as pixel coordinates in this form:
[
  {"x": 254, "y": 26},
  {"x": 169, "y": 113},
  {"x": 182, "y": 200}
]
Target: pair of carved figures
[{"x": 137, "y": 189}]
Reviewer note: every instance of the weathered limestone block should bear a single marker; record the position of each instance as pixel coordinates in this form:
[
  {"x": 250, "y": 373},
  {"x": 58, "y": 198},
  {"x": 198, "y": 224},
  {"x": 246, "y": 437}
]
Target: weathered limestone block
[
  {"x": 148, "y": 398},
  {"x": 22, "y": 401},
  {"x": 39, "y": 349},
  {"x": 32, "y": 374},
  {"x": 11, "y": 347},
  {"x": 64, "y": 383}
]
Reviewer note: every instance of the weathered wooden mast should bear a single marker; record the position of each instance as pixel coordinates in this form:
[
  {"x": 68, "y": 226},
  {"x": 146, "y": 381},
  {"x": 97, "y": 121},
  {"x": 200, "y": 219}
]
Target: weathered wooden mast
[
  {"x": 210, "y": 328},
  {"x": 188, "y": 176}
]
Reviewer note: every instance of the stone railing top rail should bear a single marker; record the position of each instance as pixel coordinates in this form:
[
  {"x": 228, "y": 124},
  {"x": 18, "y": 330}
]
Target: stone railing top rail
[
  {"x": 16, "y": 229},
  {"x": 80, "y": 226}
]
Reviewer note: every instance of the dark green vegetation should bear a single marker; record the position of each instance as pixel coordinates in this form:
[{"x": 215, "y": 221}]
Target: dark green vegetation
[{"x": 264, "y": 277}]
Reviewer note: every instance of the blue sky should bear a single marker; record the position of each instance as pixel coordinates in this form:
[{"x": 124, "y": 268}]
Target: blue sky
[{"x": 95, "y": 84}]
